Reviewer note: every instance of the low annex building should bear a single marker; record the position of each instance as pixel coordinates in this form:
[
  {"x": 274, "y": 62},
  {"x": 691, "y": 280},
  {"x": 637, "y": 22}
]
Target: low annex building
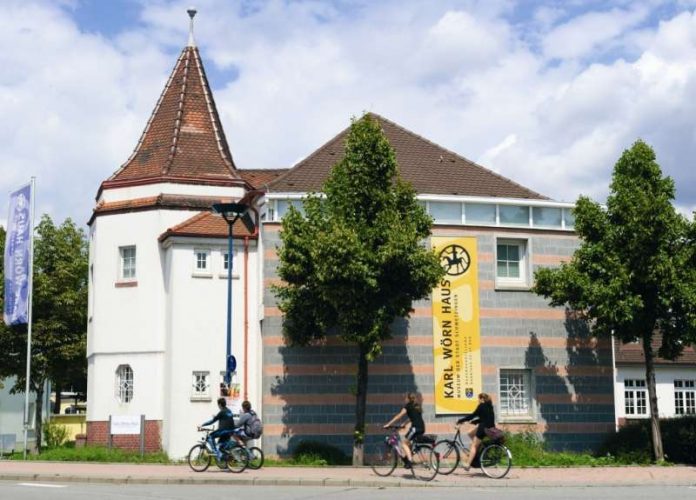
[{"x": 158, "y": 282}]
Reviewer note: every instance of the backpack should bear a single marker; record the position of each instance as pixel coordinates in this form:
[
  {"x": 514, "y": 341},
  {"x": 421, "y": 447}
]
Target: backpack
[{"x": 254, "y": 427}]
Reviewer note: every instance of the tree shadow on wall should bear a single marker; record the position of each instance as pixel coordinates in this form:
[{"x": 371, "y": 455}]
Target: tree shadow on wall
[
  {"x": 574, "y": 396},
  {"x": 314, "y": 396}
]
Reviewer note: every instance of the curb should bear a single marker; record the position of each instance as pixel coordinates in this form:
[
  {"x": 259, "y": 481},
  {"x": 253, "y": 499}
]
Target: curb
[{"x": 331, "y": 482}]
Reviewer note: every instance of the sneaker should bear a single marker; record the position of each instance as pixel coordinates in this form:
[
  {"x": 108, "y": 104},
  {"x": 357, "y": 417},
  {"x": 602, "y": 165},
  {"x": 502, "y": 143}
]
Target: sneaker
[
  {"x": 408, "y": 464},
  {"x": 467, "y": 467}
]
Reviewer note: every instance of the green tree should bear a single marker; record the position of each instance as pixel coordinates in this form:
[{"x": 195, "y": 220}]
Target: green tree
[
  {"x": 354, "y": 261},
  {"x": 634, "y": 273},
  {"x": 59, "y": 314}
]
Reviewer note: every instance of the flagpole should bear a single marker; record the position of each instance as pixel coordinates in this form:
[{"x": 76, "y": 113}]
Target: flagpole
[{"x": 29, "y": 314}]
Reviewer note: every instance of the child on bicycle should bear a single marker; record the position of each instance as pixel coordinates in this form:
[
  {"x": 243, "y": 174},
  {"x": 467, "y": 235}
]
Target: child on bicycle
[
  {"x": 484, "y": 416},
  {"x": 413, "y": 410}
]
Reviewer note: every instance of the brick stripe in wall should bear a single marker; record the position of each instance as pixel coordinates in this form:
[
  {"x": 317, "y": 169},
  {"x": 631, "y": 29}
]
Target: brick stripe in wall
[
  {"x": 486, "y": 341},
  {"x": 484, "y": 312},
  {"x": 422, "y": 369},
  {"x": 443, "y": 428},
  {"x": 319, "y": 399}
]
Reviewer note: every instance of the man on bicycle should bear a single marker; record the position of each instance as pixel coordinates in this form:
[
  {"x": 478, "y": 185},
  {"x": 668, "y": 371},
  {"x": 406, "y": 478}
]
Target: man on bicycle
[{"x": 225, "y": 422}]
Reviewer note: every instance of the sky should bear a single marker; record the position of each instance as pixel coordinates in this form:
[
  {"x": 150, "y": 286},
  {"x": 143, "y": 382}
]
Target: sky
[{"x": 548, "y": 93}]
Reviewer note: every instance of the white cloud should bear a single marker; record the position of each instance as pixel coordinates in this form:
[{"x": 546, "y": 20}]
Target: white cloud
[
  {"x": 584, "y": 34},
  {"x": 459, "y": 73}
]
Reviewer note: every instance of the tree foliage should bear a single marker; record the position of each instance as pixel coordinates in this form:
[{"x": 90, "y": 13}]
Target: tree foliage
[
  {"x": 634, "y": 272},
  {"x": 353, "y": 262},
  {"x": 59, "y": 313}
]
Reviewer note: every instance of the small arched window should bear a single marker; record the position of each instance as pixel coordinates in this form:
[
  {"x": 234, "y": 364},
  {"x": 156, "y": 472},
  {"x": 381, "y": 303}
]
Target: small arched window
[{"x": 124, "y": 383}]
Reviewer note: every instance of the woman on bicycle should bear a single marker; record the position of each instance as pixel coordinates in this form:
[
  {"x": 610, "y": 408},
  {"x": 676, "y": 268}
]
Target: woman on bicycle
[
  {"x": 485, "y": 418},
  {"x": 413, "y": 410}
]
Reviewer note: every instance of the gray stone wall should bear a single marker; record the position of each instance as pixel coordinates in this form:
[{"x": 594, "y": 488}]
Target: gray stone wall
[{"x": 308, "y": 391}]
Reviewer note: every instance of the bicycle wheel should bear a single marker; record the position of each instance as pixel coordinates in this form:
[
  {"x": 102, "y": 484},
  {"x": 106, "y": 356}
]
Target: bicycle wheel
[
  {"x": 425, "y": 463},
  {"x": 237, "y": 459},
  {"x": 496, "y": 461},
  {"x": 382, "y": 458},
  {"x": 256, "y": 457},
  {"x": 199, "y": 458},
  {"x": 448, "y": 455}
]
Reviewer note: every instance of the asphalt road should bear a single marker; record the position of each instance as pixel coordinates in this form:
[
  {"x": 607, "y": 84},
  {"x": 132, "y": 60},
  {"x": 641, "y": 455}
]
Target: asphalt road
[{"x": 10, "y": 490}]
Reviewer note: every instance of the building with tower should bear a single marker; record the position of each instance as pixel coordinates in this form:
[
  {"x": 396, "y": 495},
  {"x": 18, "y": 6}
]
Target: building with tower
[{"x": 158, "y": 284}]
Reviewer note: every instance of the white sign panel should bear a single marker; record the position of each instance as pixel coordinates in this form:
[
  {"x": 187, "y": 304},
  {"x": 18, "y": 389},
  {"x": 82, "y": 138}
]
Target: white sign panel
[{"x": 125, "y": 424}]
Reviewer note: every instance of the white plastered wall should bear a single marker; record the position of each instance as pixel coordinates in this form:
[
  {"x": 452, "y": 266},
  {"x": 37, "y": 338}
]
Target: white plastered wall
[
  {"x": 664, "y": 380},
  {"x": 196, "y": 341}
]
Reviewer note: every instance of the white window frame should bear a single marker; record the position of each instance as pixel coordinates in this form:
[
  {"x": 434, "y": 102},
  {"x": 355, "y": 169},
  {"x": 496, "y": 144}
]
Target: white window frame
[
  {"x": 519, "y": 406},
  {"x": 684, "y": 397},
  {"x": 200, "y": 385},
  {"x": 635, "y": 398},
  {"x": 124, "y": 384},
  {"x": 235, "y": 263},
  {"x": 123, "y": 268},
  {"x": 521, "y": 282},
  {"x": 202, "y": 272}
]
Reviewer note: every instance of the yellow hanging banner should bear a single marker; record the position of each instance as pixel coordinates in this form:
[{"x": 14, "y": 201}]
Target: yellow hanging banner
[{"x": 456, "y": 331}]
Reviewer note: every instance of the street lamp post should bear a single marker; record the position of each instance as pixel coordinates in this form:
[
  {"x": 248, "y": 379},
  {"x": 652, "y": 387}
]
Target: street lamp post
[{"x": 231, "y": 212}]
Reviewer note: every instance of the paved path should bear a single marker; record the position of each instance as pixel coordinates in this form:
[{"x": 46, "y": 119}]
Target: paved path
[{"x": 341, "y": 476}]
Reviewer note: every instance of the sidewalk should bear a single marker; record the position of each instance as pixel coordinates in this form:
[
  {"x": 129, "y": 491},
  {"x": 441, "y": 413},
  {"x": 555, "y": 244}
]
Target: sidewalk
[{"x": 341, "y": 476}]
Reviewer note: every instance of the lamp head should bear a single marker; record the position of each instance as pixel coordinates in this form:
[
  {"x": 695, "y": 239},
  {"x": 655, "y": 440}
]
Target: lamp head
[{"x": 230, "y": 211}]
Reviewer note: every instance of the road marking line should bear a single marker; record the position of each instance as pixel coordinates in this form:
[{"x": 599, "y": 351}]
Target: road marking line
[{"x": 41, "y": 485}]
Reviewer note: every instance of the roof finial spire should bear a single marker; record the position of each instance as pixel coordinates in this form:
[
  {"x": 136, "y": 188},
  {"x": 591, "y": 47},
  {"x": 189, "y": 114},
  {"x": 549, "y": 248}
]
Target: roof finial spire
[{"x": 192, "y": 13}]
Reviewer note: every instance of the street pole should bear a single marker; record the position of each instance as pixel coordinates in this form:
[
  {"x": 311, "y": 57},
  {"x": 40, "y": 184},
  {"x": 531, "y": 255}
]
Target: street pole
[
  {"x": 228, "y": 374},
  {"x": 27, "y": 385}
]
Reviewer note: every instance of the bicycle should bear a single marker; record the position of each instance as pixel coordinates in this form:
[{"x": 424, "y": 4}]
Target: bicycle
[
  {"x": 493, "y": 457},
  {"x": 235, "y": 458},
  {"x": 385, "y": 455}
]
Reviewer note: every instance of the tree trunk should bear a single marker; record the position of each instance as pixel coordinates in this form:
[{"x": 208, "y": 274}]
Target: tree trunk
[
  {"x": 360, "y": 407},
  {"x": 39, "y": 412},
  {"x": 652, "y": 397}
]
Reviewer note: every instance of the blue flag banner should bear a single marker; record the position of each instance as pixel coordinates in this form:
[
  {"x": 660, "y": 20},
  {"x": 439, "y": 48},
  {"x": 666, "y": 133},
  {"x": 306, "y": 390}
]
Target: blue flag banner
[{"x": 17, "y": 255}]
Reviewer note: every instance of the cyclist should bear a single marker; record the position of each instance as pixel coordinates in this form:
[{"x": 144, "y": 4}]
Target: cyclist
[
  {"x": 484, "y": 416},
  {"x": 413, "y": 410},
  {"x": 240, "y": 432},
  {"x": 225, "y": 426}
]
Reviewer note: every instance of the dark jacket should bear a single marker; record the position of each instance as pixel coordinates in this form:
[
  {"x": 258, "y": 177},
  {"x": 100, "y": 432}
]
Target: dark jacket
[
  {"x": 224, "y": 419},
  {"x": 484, "y": 413}
]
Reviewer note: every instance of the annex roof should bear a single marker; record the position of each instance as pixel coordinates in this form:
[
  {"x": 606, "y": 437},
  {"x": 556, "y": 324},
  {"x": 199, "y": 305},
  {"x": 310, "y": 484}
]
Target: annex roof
[
  {"x": 207, "y": 225},
  {"x": 183, "y": 139},
  {"x": 259, "y": 178},
  {"x": 430, "y": 168},
  {"x": 631, "y": 354}
]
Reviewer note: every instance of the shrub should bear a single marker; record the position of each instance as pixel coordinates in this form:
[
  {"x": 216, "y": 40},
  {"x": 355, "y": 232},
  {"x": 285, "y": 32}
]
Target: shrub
[
  {"x": 307, "y": 452},
  {"x": 634, "y": 440},
  {"x": 55, "y": 435}
]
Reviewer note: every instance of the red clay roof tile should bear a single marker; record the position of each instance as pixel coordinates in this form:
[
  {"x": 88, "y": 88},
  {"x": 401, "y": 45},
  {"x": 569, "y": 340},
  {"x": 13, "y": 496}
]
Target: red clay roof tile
[{"x": 431, "y": 169}]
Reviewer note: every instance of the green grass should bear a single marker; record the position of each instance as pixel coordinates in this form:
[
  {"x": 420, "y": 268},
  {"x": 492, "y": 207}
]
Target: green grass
[
  {"x": 529, "y": 451},
  {"x": 96, "y": 454}
]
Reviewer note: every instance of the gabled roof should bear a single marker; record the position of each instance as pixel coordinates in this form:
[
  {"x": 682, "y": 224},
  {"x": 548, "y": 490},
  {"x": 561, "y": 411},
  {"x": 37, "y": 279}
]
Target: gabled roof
[
  {"x": 183, "y": 140},
  {"x": 430, "y": 168},
  {"x": 207, "y": 225}
]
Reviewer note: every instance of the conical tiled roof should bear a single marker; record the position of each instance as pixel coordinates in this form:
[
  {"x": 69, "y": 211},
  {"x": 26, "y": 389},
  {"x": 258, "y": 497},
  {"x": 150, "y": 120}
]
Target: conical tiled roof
[
  {"x": 430, "y": 168},
  {"x": 183, "y": 139}
]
